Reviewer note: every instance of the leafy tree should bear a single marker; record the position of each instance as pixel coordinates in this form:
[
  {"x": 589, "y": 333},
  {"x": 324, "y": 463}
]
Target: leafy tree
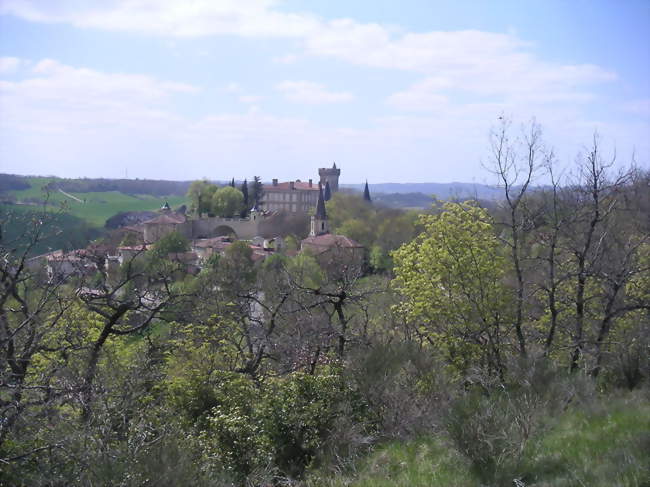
[
  {"x": 450, "y": 277},
  {"x": 171, "y": 243},
  {"x": 227, "y": 202},
  {"x": 200, "y": 195}
]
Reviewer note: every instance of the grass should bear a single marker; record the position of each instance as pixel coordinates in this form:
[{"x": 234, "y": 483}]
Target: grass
[
  {"x": 607, "y": 444},
  {"x": 97, "y": 206},
  {"x": 427, "y": 461}
]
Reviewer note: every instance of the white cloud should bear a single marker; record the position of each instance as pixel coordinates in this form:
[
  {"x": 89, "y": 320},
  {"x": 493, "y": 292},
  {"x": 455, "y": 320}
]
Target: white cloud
[
  {"x": 250, "y": 98},
  {"x": 364, "y": 44},
  {"x": 57, "y": 98},
  {"x": 311, "y": 93},
  {"x": 10, "y": 65}
]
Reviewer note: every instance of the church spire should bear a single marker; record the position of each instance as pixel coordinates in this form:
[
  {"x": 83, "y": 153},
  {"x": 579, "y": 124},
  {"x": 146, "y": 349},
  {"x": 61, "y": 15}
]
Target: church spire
[
  {"x": 319, "y": 224},
  {"x": 366, "y": 193}
]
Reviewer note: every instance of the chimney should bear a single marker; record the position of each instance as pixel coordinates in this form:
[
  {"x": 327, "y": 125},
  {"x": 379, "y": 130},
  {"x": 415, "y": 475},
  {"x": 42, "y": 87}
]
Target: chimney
[
  {"x": 310, "y": 184},
  {"x": 292, "y": 185},
  {"x": 275, "y": 182}
]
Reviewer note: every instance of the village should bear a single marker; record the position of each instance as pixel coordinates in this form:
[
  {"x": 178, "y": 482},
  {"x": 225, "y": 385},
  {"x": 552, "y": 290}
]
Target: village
[{"x": 208, "y": 236}]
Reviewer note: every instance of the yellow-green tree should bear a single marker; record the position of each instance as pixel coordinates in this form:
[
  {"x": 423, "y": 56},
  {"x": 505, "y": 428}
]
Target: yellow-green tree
[
  {"x": 200, "y": 195},
  {"x": 450, "y": 278},
  {"x": 227, "y": 202}
]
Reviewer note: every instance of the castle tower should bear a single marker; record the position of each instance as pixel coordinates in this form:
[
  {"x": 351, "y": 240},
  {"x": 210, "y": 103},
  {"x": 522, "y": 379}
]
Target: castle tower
[
  {"x": 319, "y": 223},
  {"x": 330, "y": 175}
]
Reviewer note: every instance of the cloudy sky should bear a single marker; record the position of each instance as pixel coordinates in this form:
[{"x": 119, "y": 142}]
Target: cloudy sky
[{"x": 398, "y": 91}]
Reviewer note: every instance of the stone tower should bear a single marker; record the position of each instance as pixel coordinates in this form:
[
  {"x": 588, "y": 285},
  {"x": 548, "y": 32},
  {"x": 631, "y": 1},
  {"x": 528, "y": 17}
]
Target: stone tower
[
  {"x": 319, "y": 223},
  {"x": 330, "y": 175}
]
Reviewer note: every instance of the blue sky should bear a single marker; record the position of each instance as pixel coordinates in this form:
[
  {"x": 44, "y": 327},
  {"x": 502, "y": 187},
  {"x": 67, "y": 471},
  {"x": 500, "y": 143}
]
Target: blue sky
[{"x": 392, "y": 91}]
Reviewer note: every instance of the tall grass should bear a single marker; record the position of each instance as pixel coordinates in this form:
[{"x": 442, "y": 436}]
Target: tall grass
[{"x": 600, "y": 444}]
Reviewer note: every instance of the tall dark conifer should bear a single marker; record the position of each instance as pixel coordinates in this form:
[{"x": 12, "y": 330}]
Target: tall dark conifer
[
  {"x": 256, "y": 191},
  {"x": 232, "y": 183},
  {"x": 328, "y": 192},
  {"x": 244, "y": 191},
  {"x": 366, "y": 193}
]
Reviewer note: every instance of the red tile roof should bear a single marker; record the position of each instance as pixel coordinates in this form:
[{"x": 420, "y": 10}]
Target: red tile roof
[
  {"x": 167, "y": 218},
  {"x": 298, "y": 185},
  {"x": 328, "y": 241}
]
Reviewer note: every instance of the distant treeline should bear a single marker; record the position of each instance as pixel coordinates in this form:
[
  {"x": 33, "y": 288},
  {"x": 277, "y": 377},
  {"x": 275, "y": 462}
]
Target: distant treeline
[
  {"x": 442, "y": 191},
  {"x": 9, "y": 182},
  {"x": 152, "y": 187},
  {"x": 127, "y": 186}
]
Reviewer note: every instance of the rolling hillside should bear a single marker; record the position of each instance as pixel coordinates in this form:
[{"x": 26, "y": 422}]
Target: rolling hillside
[{"x": 94, "y": 207}]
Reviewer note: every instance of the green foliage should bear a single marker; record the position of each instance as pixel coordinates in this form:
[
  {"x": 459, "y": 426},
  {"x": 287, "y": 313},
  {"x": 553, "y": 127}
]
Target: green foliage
[
  {"x": 377, "y": 228},
  {"x": 173, "y": 242},
  {"x": 61, "y": 230},
  {"x": 227, "y": 202},
  {"x": 200, "y": 196},
  {"x": 423, "y": 462},
  {"x": 451, "y": 279}
]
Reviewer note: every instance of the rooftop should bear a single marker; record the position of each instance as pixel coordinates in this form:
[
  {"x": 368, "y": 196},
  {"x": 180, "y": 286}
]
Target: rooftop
[
  {"x": 328, "y": 241},
  {"x": 286, "y": 186}
]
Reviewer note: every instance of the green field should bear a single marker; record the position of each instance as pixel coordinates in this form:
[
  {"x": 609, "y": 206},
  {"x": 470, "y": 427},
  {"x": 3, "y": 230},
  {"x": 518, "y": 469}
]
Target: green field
[{"x": 97, "y": 207}]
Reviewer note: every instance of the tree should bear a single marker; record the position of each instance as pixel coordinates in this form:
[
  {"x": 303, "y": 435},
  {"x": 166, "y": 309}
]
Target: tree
[
  {"x": 450, "y": 278},
  {"x": 244, "y": 192},
  {"x": 366, "y": 193},
  {"x": 327, "y": 195},
  {"x": 172, "y": 243},
  {"x": 227, "y": 202},
  {"x": 200, "y": 195},
  {"x": 515, "y": 164},
  {"x": 257, "y": 191}
]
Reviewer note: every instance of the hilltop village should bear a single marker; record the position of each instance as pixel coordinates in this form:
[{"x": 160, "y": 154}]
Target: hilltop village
[{"x": 261, "y": 229}]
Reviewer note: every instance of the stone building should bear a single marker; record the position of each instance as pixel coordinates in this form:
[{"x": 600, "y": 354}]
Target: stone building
[{"x": 298, "y": 196}]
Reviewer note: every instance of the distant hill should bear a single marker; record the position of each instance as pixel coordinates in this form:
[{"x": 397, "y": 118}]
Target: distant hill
[
  {"x": 442, "y": 191},
  {"x": 91, "y": 200}
]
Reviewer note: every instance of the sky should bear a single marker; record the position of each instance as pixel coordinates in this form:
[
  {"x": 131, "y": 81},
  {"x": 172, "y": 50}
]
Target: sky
[{"x": 391, "y": 91}]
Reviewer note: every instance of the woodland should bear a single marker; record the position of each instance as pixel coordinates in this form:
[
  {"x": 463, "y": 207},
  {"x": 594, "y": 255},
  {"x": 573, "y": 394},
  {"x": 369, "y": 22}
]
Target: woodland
[{"x": 507, "y": 345}]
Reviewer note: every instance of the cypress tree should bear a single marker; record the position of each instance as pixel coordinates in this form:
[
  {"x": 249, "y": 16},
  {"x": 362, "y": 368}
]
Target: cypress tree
[
  {"x": 244, "y": 191},
  {"x": 366, "y": 194},
  {"x": 328, "y": 192}
]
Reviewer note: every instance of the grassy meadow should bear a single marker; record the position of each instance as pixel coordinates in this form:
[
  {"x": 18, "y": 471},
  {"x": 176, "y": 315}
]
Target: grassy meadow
[{"x": 97, "y": 207}]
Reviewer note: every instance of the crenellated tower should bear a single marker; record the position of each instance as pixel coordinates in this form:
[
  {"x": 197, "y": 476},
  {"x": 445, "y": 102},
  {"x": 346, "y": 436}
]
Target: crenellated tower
[{"x": 330, "y": 175}]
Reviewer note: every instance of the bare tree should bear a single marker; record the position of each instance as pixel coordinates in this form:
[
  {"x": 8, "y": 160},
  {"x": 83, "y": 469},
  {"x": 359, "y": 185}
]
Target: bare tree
[{"x": 515, "y": 163}]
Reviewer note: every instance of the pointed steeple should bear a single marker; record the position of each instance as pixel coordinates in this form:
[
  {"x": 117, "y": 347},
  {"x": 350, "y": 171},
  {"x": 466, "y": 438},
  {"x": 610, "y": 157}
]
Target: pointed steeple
[
  {"x": 366, "y": 193},
  {"x": 320, "y": 206},
  {"x": 334, "y": 166},
  {"x": 328, "y": 192},
  {"x": 319, "y": 223}
]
